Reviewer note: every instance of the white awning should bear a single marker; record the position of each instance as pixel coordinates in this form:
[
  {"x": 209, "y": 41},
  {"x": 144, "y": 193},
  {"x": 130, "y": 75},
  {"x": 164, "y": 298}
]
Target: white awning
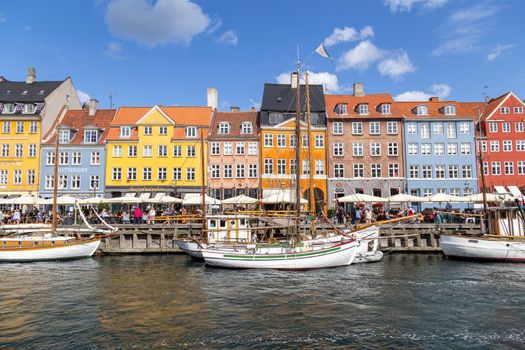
[{"x": 515, "y": 191}]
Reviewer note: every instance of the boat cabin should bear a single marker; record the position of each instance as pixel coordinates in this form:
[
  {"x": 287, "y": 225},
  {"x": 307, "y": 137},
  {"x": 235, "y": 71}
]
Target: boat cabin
[
  {"x": 505, "y": 222},
  {"x": 229, "y": 229}
]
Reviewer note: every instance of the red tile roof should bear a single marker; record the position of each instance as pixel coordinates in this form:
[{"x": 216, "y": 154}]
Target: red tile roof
[
  {"x": 235, "y": 119},
  {"x": 435, "y": 109},
  {"x": 373, "y": 101}
]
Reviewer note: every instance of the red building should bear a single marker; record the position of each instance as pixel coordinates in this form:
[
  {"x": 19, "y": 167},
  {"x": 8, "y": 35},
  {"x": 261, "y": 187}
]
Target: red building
[{"x": 502, "y": 138}]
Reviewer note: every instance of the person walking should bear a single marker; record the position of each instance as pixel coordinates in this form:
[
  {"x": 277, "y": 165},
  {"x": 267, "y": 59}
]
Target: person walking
[{"x": 137, "y": 215}]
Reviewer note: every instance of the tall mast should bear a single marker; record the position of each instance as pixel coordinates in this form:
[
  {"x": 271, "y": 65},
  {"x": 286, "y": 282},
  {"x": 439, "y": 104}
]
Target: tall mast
[
  {"x": 310, "y": 145},
  {"x": 482, "y": 171},
  {"x": 298, "y": 148},
  {"x": 55, "y": 183},
  {"x": 203, "y": 183}
]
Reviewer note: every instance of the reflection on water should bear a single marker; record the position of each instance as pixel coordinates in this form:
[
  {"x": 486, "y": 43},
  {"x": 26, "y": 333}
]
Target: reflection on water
[{"x": 172, "y": 301}]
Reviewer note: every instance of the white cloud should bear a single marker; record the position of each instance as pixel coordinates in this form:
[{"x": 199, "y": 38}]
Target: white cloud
[
  {"x": 83, "y": 96},
  {"x": 228, "y": 38},
  {"x": 166, "y": 21},
  {"x": 329, "y": 80},
  {"x": 492, "y": 55},
  {"x": 406, "y": 5},
  {"x": 440, "y": 90},
  {"x": 360, "y": 57},
  {"x": 114, "y": 51},
  {"x": 348, "y": 34},
  {"x": 214, "y": 25},
  {"x": 395, "y": 67}
]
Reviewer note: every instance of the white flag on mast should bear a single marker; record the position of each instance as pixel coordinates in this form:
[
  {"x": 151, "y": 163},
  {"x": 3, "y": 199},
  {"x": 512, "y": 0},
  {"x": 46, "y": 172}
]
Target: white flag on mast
[{"x": 322, "y": 51}]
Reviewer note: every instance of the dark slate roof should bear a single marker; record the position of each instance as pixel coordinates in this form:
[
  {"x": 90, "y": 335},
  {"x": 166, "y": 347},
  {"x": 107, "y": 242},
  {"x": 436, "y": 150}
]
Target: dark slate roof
[
  {"x": 281, "y": 98},
  {"x": 13, "y": 91}
]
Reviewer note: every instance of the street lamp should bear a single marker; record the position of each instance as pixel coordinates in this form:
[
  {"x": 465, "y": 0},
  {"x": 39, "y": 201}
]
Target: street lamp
[{"x": 94, "y": 186}]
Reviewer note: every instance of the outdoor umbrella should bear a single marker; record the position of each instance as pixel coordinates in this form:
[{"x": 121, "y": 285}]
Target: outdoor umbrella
[
  {"x": 62, "y": 200},
  {"x": 196, "y": 199},
  {"x": 403, "y": 198},
  {"x": 361, "y": 198},
  {"x": 241, "y": 199}
]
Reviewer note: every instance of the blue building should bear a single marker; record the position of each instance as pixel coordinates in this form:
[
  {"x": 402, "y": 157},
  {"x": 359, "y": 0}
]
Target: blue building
[
  {"x": 440, "y": 154},
  {"x": 81, "y": 155}
]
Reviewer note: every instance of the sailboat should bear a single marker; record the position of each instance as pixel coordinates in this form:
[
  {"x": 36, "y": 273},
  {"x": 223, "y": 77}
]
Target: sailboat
[{"x": 41, "y": 244}]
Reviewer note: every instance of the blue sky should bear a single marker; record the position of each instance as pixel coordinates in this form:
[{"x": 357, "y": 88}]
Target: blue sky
[{"x": 168, "y": 52}]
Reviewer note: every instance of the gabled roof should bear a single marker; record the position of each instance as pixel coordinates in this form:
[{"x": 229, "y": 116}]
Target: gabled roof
[
  {"x": 282, "y": 98},
  {"x": 235, "y": 119},
  {"x": 179, "y": 115},
  {"x": 494, "y": 104},
  {"x": 373, "y": 101},
  {"x": 20, "y": 91}
]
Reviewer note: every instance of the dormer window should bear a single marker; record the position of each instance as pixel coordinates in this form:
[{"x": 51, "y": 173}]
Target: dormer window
[
  {"x": 362, "y": 109},
  {"x": 246, "y": 128},
  {"x": 224, "y": 128},
  {"x": 41, "y": 92},
  {"x": 385, "y": 108},
  {"x": 450, "y": 110},
  {"x": 9, "y": 108},
  {"x": 90, "y": 136},
  {"x": 24, "y": 92},
  {"x": 125, "y": 131},
  {"x": 421, "y": 110},
  {"x": 341, "y": 109},
  {"x": 64, "y": 136},
  {"x": 29, "y": 108},
  {"x": 191, "y": 131}
]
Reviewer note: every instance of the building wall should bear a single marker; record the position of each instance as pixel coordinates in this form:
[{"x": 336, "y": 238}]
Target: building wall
[{"x": 64, "y": 95}]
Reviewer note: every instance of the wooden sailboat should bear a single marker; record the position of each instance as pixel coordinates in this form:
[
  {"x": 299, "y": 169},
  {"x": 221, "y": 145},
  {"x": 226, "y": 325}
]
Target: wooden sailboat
[{"x": 42, "y": 245}]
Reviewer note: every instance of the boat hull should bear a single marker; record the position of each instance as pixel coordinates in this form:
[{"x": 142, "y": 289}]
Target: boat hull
[
  {"x": 190, "y": 247},
  {"x": 74, "y": 250},
  {"x": 483, "y": 248},
  {"x": 368, "y": 247}
]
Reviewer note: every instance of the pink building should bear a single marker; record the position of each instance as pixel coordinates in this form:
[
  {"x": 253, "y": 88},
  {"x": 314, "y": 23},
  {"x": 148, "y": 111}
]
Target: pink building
[{"x": 233, "y": 165}]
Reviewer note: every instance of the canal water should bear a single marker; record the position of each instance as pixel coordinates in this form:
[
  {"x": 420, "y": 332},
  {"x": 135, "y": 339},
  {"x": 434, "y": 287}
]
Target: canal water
[{"x": 135, "y": 302}]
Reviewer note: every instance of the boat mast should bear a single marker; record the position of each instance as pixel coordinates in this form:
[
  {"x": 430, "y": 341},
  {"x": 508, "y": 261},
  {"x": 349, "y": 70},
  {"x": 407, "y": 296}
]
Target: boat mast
[
  {"x": 298, "y": 148},
  {"x": 55, "y": 183},
  {"x": 310, "y": 145},
  {"x": 203, "y": 184},
  {"x": 483, "y": 221}
]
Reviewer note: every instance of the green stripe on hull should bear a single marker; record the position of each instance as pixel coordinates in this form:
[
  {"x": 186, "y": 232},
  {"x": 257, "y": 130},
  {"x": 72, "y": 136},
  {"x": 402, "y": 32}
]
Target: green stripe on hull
[{"x": 295, "y": 255}]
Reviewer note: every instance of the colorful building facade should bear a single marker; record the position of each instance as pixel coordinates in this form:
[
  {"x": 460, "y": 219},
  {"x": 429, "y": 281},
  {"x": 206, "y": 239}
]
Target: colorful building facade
[{"x": 234, "y": 155}]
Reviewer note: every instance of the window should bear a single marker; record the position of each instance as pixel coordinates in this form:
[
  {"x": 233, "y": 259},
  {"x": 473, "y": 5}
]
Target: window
[
  {"x": 485, "y": 168},
  {"x": 9, "y": 108},
  {"x": 440, "y": 171},
  {"x": 146, "y": 174},
  {"x": 148, "y": 130},
  {"x": 509, "y": 168},
  {"x": 452, "y": 149},
  {"x": 228, "y": 171},
  {"x": 385, "y": 108},
  {"x": 215, "y": 171},
  {"x": 453, "y": 171},
  {"x": 94, "y": 182},
  {"x": 375, "y": 170},
  {"x": 483, "y": 146},
  {"x": 63, "y": 136},
  {"x": 465, "y": 148},
  {"x": 19, "y": 150},
  {"x": 505, "y": 127},
  {"x": 437, "y": 128},
  {"x": 268, "y": 166},
  {"x": 493, "y": 127},
  {"x": 162, "y": 151},
  {"x": 359, "y": 170},
  {"x": 95, "y": 158},
  {"x": 252, "y": 171},
  {"x": 464, "y": 128},
  {"x": 246, "y": 128},
  {"x": 228, "y": 149},
  {"x": 162, "y": 174},
  {"x": 319, "y": 141},
  {"x": 240, "y": 148},
  {"x": 50, "y": 182},
  {"x": 518, "y": 110},
  {"x": 439, "y": 149},
  {"x": 125, "y": 131},
  {"x": 117, "y": 151},
  {"x": 466, "y": 171},
  {"x": 362, "y": 108},
  {"x": 393, "y": 149},
  {"x": 17, "y": 177},
  {"x": 132, "y": 174},
  {"x": 293, "y": 167},
  {"x": 252, "y": 148},
  {"x": 224, "y": 128},
  {"x": 62, "y": 182},
  {"x": 33, "y": 127},
  {"x": 163, "y": 130},
  {"x": 454, "y": 191},
  {"x": 521, "y": 167},
  {"x": 177, "y": 174},
  {"x": 281, "y": 140},
  {"x": 76, "y": 158},
  {"x": 375, "y": 149},
  {"x": 391, "y": 128},
  {"x": 393, "y": 170},
  {"x": 281, "y": 166},
  {"x": 505, "y": 110},
  {"x": 239, "y": 171},
  {"x": 519, "y": 126},
  {"x": 29, "y": 108},
  {"x": 3, "y": 177},
  {"x": 190, "y": 174},
  {"x": 31, "y": 177},
  {"x": 411, "y": 128},
  {"x": 147, "y": 151},
  {"x": 337, "y": 128},
  {"x": 90, "y": 136},
  {"x": 451, "y": 130},
  {"x": 357, "y": 149},
  {"x": 507, "y": 146},
  {"x": 413, "y": 148},
  {"x": 427, "y": 192},
  {"x": 425, "y": 149},
  {"x": 132, "y": 151},
  {"x": 5, "y": 150},
  {"x": 426, "y": 171},
  {"x": 338, "y": 149},
  {"x": 32, "y": 151},
  {"x": 520, "y": 145},
  {"x": 6, "y": 127},
  {"x": 177, "y": 151},
  {"x": 450, "y": 110},
  {"x": 425, "y": 130},
  {"x": 292, "y": 141},
  {"x": 116, "y": 174},
  {"x": 191, "y": 131},
  {"x": 63, "y": 158},
  {"x": 268, "y": 140},
  {"x": 215, "y": 149},
  {"x": 421, "y": 110},
  {"x": 357, "y": 128},
  {"x": 494, "y": 146},
  {"x": 75, "y": 182},
  {"x": 319, "y": 167},
  {"x": 414, "y": 171},
  {"x": 305, "y": 141},
  {"x": 306, "y": 167},
  {"x": 190, "y": 151},
  {"x": 341, "y": 108},
  {"x": 375, "y": 128},
  {"x": 339, "y": 170}
]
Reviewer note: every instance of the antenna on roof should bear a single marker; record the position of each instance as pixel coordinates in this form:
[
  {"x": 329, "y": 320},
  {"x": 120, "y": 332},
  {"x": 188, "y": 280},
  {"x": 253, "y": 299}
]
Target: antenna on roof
[{"x": 111, "y": 94}]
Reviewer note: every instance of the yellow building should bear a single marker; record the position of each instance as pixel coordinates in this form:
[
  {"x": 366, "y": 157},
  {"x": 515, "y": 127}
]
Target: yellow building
[{"x": 153, "y": 150}]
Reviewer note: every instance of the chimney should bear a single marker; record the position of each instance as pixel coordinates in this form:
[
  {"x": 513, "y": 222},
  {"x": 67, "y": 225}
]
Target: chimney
[
  {"x": 359, "y": 89},
  {"x": 213, "y": 98},
  {"x": 93, "y": 106},
  {"x": 434, "y": 99},
  {"x": 234, "y": 109},
  {"x": 294, "y": 80},
  {"x": 253, "y": 109},
  {"x": 31, "y": 75}
]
